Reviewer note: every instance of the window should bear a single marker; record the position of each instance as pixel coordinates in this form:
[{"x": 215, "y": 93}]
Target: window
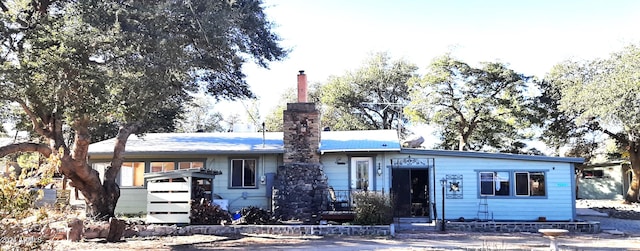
[
  {"x": 506, "y": 183},
  {"x": 530, "y": 184},
  {"x": 162, "y": 166},
  {"x": 132, "y": 174},
  {"x": 243, "y": 173},
  {"x": 494, "y": 184},
  {"x": 191, "y": 165},
  {"x": 362, "y": 173},
  {"x": 591, "y": 174}
]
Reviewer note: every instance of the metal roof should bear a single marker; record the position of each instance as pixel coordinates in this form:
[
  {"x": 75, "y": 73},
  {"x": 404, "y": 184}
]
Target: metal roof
[
  {"x": 365, "y": 141},
  {"x": 471, "y": 154},
  {"x": 252, "y": 143},
  {"x": 247, "y": 143},
  {"x": 196, "y": 143}
]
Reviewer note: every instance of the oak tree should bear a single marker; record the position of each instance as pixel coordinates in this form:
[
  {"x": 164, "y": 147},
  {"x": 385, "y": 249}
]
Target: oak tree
[
  {"x": 603, "y": 94},
  {"x": 72, "y": 65},
  {"x": 371, "y": 97},
  {"x": 475, "y": 108}
]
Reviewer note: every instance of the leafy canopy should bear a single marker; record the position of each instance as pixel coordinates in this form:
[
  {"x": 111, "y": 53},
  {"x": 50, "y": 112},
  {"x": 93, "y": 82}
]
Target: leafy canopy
[
  {"x": 129, "y": 61},
  {"x": 475, "y": 108},
  {"x": 370, "y": 97},
  {"x": 83, "y": 68}
]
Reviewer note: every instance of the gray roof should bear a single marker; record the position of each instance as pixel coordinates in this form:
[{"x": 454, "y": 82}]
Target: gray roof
[
  {"x": 365, "y": 141},
  {"x": 196, "y": 143},
  {"x": 471, "y": 154},
  {"x": 247, "y": 143},
  {"x": 252, "y": 143}
]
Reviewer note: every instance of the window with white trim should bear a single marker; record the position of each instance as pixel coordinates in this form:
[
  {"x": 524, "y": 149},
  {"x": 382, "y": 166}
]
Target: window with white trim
[
  {"x": 495, "y": 184},
  {"x": 243, "y": 173}
]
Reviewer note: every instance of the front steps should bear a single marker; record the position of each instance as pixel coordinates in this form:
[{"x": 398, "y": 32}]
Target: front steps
[{"x": 420, "y": 224}]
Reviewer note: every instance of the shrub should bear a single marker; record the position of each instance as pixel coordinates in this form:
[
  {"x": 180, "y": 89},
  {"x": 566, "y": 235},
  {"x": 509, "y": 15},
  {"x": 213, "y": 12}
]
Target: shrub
[
  {"x": 372, "y": 208},
  {"x": 20, "y": 224},
  {"x": 203, "y": 212},
  {"x": 257, "y": 216}
]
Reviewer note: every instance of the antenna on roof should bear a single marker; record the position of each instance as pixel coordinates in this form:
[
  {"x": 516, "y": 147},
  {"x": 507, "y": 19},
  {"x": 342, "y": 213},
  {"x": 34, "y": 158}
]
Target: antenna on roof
[{"x": 263, "y": 133}]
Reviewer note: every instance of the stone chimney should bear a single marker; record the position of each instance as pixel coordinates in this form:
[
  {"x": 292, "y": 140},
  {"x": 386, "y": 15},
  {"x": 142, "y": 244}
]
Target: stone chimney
[
  {"x": 301, "y": 127},
  {"x": 300, "y": 187},
  {"x": 302, "y": 87}
]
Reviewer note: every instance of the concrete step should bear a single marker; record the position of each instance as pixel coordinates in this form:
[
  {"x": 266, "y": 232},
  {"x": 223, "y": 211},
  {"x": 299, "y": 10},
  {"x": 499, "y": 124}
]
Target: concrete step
[
  {"x": 415, "y": 227},
  {"x": 412, "y": 220},
  {"x": 414, "y": 224}
]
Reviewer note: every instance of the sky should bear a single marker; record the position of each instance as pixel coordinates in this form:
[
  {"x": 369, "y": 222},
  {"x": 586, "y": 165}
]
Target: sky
[{"x": 331, "y": 37}]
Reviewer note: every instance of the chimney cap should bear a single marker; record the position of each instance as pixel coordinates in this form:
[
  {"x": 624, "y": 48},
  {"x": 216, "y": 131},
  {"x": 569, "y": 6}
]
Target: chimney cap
[{"x": 301, "y": 71}]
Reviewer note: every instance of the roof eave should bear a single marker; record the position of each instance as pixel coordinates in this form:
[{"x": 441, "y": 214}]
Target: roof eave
[
  {"x": 492, "y": 155},
  {"x": 359, "y": 150},
  {"x": 154, "y": 153}
]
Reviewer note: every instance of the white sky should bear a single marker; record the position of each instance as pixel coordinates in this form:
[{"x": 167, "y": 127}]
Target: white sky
[{"x": 329, "y": 37}]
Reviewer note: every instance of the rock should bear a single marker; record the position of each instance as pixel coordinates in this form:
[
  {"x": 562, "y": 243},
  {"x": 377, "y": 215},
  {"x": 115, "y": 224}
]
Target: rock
[
  {"x": 96, "y": 231},
  {"x": 116, "y": 230},
  {"x": 76, "y": 230},
  {"x": 414, "y": 142}
]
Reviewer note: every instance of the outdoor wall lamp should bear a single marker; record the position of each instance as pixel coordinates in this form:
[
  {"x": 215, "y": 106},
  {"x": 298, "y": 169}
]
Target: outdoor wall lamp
[{"x": 379, "y": 170}]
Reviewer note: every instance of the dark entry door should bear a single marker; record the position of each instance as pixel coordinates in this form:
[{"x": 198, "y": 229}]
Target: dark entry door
[
  {"x": 401, "y": 189},
  {"x": 411, "y": 192}
]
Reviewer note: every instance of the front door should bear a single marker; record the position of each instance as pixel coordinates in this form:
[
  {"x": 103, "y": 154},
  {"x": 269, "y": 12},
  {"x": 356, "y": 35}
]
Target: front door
[
  {"x": 410, "y": 190},
  {"x": 362, "y": 174}
]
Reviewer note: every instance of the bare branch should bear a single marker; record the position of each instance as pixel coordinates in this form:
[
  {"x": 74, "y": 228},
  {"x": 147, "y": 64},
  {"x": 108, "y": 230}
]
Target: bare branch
[
  {"x": 81, "y": 140},
  {"x": 119, "y": 149},
  {"x": 25, "y": 147},
  {"x": 34, "y": 119},
  {"x": 596, "y": 126}
]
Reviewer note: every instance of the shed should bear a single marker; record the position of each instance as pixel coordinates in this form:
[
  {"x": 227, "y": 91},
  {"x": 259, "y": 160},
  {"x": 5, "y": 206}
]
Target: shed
[{"x": 169, "y": 194}]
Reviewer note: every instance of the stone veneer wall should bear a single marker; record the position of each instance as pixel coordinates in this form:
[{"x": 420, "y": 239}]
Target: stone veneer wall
[
  {"x": 300, "y": 192},
  {"x": 291, "y": 230},
  {"x": 300, "y": 186},
  {"x": 301, "y": 127},
  {"x": 591, "y": 227}
]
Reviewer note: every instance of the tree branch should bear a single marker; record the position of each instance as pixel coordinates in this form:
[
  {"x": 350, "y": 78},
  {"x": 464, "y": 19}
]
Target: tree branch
[
  {"x": 596, "y": 126},
  {"x": 34, "y": 119},
  {"x": 81, "y": 140},
  {"x": 119, "y": 149},
  {"x": 25, "y": 147}
]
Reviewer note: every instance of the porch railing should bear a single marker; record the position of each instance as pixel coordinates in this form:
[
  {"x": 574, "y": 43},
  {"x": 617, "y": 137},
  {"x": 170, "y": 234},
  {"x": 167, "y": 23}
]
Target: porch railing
[{"x": 342, "y": 200}]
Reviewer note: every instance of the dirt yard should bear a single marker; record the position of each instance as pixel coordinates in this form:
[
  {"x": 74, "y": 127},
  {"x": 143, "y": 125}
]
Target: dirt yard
[
  {"x": 429, "y": 240},
  {"x": 404, "y": 241}
]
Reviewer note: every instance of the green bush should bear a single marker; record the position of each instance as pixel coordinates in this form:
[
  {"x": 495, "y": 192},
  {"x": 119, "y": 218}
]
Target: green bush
[
  {"x": 20, "y": 223},
  {"x": 372, "y": 208}
]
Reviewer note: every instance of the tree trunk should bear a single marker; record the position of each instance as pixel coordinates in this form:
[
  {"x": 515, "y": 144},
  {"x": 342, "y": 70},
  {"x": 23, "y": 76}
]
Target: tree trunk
[
  {"x": 98, "y": 196},
  {"x": 464, "y": 140},
  {"x": 634, "y": 186}
]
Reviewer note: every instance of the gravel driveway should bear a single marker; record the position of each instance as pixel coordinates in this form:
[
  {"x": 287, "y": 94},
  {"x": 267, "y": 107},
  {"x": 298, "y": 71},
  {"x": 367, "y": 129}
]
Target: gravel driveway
[{"x": 620, "y": 217}]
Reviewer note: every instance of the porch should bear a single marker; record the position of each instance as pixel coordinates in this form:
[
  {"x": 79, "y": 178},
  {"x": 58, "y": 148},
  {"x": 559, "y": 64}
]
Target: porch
[{"x": 340, "y": 207}]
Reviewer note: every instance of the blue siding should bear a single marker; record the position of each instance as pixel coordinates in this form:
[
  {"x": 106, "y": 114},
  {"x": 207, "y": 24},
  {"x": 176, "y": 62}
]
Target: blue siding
[
  {"x": 338, "y": 174},
  {"x": 254, "y": 196},
  {"x": 558, "y": 205}
]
